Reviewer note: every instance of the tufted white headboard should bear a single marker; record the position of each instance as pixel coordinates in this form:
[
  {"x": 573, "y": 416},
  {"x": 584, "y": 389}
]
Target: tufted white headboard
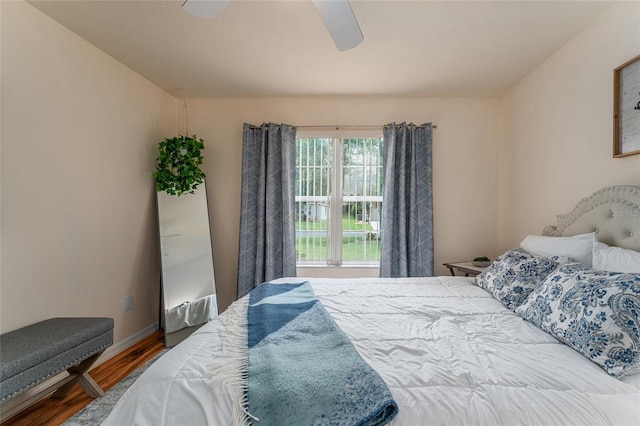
[{"x": 613, "y": 213}]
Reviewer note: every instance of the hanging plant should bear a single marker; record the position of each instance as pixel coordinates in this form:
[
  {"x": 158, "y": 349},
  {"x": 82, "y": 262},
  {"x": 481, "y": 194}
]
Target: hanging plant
[{"x": 178, "y": 169}]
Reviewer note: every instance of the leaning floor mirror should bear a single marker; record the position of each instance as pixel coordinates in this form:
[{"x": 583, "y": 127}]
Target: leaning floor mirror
[{"x": 188, "y": 280}]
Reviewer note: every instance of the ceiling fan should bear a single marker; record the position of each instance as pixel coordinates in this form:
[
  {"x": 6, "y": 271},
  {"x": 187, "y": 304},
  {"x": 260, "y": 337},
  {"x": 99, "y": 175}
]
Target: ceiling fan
[{"x": 337, "y": 16}]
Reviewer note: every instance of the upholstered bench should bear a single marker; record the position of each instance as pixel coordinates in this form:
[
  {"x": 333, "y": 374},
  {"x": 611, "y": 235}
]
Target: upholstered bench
[{"x": 33, "y": 354}]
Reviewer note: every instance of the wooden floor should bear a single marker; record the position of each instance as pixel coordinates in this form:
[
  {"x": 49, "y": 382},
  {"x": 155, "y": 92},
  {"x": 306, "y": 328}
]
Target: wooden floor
[{"x": 55, "y": 412}]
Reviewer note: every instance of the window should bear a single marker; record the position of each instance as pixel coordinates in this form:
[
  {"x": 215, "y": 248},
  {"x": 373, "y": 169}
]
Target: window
[{"x": 338, "y": 199}]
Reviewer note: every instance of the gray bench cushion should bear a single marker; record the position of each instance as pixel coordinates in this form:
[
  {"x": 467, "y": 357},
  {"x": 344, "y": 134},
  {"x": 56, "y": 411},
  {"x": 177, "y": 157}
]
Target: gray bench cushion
[{"x": 34, "y": 353}]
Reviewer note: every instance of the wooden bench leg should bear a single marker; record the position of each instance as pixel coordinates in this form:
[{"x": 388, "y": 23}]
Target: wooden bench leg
[
  {"x": 90, "y": 386},
  {"x": 80, "y": 374}
]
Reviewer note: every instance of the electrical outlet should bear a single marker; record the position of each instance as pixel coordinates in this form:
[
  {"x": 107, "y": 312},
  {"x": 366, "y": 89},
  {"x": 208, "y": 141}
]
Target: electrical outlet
[{"x": 128, "y": 303}]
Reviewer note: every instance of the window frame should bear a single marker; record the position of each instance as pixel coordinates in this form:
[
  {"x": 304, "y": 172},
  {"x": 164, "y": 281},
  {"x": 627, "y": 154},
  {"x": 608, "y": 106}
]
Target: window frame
[{"x": 335, "y": 245}]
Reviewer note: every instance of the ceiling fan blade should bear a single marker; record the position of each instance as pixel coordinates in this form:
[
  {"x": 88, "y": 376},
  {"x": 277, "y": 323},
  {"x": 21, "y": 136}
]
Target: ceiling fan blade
[
  {"x": 341, "y": 23},
  {"x": 208, "y": 9}
]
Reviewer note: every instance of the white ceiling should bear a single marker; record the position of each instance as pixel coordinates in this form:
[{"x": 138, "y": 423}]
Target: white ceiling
[{"x": 280, "y": 48}]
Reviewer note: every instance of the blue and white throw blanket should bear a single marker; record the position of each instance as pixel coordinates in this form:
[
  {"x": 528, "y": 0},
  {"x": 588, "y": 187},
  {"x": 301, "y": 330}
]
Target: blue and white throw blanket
[{"x": 300, "y": 367}]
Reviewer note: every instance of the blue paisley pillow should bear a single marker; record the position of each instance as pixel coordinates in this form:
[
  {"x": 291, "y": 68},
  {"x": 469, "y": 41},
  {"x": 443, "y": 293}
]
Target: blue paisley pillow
[
  {"x": 597, "y": 313},
  {"x": 514, "y": 275}
]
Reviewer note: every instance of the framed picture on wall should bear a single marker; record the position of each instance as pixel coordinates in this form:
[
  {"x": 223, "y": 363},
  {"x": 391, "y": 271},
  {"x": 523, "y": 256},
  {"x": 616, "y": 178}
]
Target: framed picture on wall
[{"x": 626, "y": 108}]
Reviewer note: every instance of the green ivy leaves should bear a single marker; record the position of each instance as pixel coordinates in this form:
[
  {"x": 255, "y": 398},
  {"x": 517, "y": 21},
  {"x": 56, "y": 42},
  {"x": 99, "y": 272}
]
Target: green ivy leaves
[{"x": 178, "y": 165}]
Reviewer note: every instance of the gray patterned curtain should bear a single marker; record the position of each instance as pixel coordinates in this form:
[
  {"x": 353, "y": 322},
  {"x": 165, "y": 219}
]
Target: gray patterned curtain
[
  {"x": 407, "y": 207},
  {"x": 267, "y": 221}
]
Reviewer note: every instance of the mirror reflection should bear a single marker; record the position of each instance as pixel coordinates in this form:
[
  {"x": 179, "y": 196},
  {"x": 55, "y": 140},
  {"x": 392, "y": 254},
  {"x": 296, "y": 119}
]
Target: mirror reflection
[{"x": 188, "y": 280}]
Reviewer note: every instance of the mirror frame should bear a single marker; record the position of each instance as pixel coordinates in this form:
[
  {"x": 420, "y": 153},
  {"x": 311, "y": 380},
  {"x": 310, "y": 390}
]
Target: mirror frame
[{"x": 199, "y": 299}]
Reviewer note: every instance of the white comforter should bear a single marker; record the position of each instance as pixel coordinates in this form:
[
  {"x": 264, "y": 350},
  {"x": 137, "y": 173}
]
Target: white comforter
[{"x": 449, "y": 352}]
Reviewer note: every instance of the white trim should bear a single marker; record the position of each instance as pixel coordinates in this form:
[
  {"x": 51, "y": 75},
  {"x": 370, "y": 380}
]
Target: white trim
[
  {"x": 333, "y": 200},
  {"x": 342, "y": 132},
  {"x": 126, "y": 343},
  {"x": 335, "y": 204}
]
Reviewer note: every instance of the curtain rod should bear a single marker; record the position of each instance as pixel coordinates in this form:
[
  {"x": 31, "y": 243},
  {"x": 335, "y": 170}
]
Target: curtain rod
[
  {"x": 345, "y": 126},
  {"x": 350, "y": 126}
]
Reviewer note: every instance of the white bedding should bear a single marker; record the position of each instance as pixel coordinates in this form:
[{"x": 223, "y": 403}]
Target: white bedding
[{"x": 448, "y": 351}]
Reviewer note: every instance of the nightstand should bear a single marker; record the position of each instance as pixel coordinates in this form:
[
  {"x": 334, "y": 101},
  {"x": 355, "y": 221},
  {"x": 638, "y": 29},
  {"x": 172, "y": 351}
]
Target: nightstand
[{"x": 467, "y": 268}]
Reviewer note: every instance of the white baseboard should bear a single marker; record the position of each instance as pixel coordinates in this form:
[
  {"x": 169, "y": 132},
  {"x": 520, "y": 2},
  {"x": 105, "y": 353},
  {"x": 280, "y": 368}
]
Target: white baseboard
[{"x": 124, "y": 344}]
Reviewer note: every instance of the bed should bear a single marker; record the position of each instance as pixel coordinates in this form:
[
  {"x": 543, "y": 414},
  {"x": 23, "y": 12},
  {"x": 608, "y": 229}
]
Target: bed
[{"x": 454, "y": 350}]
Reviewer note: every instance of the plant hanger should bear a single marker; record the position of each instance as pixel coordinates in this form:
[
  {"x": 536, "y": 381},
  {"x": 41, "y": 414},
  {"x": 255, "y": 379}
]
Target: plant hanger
[
  {"x": 185, "y": 123},
  {"x": 179, "y": 160}
]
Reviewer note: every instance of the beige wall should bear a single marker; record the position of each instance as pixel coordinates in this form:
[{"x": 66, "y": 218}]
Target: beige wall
[
  {"x": 79, "y": 131},
  {"x": 556, "y": 137},
  {"x": 464, "y": 156}
]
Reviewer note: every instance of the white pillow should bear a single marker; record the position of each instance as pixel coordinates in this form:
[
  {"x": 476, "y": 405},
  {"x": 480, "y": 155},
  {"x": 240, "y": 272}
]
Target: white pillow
[
  {"x": 579, "y": 247},
  {"x": 615, "y": 259}
]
